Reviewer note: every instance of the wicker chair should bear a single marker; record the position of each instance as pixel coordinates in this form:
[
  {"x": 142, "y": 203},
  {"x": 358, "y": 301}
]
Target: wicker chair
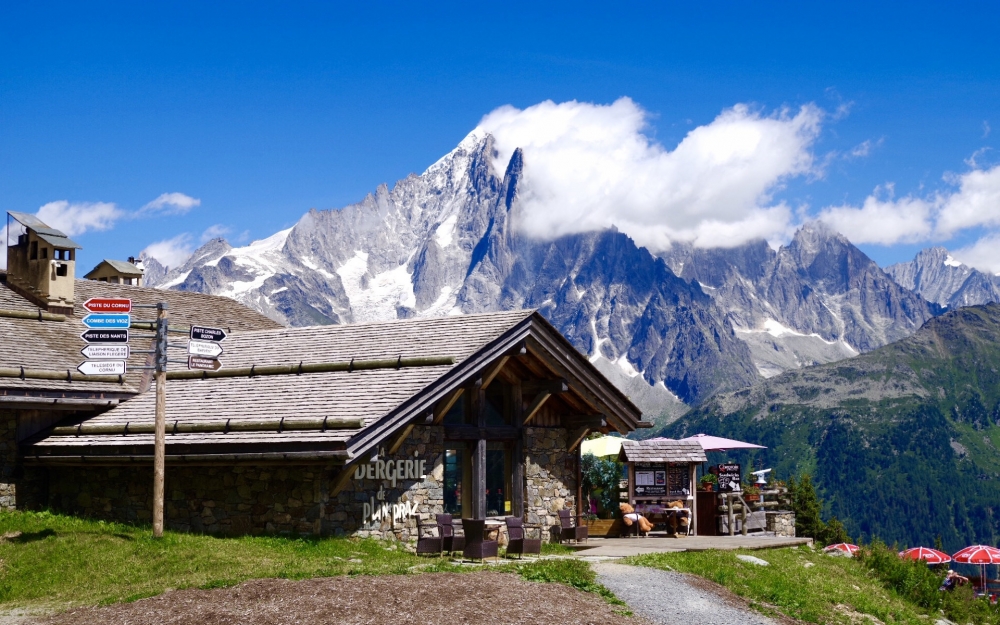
[
  {"x": 426, "y": 542},
  {"x": 569, "y": 528},
  {"x": 450, "y": 542},
  {"x": 517, "y": 541},
  {"x": 476, "y": 545}
]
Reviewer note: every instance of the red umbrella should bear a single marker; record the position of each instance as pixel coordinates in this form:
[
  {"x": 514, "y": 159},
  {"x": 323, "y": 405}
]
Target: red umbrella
[
  {"x": 928, "y": 555},
  {"x": 978, "y": 554},
  {"x": 847, "y": 548}
]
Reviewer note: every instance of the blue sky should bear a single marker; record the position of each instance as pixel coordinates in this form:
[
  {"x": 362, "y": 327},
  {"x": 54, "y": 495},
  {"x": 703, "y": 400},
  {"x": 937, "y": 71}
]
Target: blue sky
[{"x": 261, "y": 112}]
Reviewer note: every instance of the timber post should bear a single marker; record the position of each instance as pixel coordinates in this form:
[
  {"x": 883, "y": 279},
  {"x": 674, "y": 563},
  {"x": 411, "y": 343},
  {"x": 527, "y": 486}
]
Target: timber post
[{"x": 159, "y": 451}]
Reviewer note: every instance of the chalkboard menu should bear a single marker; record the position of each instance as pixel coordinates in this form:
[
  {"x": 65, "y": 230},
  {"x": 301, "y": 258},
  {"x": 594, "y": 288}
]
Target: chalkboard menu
[
  {"x": 729, "y": 478},
  {"x": 679, "y": 480},
  {"x": 650, "y": 480}
]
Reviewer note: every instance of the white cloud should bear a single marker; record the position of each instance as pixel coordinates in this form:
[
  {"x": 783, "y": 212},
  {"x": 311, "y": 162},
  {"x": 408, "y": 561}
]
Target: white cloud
[
  {"x": 982, "y": 254},
  {"x": 75, "y": 218},
  {"x": 171, "y": 252},
  {"x": 976, "y": 203},
  {"x": 986, "y": 129},
  {"x": 170, "y": 204},
  {"x": 589, "y": 166},
  {"x": 214, "y": 232},
  {"x": 884, "y": 221}
]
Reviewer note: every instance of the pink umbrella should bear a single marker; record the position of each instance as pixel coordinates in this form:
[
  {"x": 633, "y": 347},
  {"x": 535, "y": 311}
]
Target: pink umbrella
[
  {"x": 717, "y": 443},
  {"x": 928, "y": 555},
  {"x": 978, "y": 554},
  {"x": 847, "y": 548}
]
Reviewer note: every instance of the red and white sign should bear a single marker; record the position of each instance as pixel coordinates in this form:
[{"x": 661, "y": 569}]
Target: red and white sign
[{"x": 108, "y": 305}]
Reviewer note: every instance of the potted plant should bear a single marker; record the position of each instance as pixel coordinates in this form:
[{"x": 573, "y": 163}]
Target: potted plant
[
  {"x": 751, "y": 493},
  {"x": 708, "y": 481}
]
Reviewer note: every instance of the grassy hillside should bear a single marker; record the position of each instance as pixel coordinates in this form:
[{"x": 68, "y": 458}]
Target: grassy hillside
[{"x": 901, "y": 442}]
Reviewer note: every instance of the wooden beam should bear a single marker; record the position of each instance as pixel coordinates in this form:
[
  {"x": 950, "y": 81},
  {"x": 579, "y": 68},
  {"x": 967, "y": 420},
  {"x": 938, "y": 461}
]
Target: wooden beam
[
  {"x": 535, "y": 406},
  {"x": 400, "y": 438},
  {"x": 343, "y": 477},
  {"x": 575, "y": 437},
  {"x": 445, "y": 405},
  {"x": 490, "y": 372},
  {"x": 474, "y": 433},
  {"x": 552, "y": 386}
]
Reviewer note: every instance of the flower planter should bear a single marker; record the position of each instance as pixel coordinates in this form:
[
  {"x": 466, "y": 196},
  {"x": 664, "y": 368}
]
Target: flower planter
[
  {"x": 708, "y": 488},
  {"x": 749, "y": 498},
  {"x": 604, "y": 527}
]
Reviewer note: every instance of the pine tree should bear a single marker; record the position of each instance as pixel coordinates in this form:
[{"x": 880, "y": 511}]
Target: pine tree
[{"x": 806, "y": 505}]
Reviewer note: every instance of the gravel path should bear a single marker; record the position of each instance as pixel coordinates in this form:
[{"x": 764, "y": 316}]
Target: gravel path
[{"x": 674, "y": 598}]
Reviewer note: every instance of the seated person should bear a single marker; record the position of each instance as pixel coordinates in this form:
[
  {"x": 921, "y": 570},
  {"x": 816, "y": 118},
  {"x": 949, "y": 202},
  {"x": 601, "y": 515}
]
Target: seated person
[{"x": 953, "y": 580}]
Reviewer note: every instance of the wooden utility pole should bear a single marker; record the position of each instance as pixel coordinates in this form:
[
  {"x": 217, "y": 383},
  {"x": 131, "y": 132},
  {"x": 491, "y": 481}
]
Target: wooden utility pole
[{"x": 159, "y": 453}]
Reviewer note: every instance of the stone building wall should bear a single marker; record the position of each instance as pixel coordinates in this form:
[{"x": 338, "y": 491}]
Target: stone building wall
[
  {"x": 379, "y": 500},
  {"x": 8, "y": 460}
]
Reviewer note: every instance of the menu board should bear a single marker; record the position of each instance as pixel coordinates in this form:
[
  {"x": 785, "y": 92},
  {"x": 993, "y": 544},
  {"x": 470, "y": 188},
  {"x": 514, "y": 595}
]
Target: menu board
[
  {"x": 729, "y": 478},
  {"x": 650, "y": 480},
  {"x": 679, "y": 480}
]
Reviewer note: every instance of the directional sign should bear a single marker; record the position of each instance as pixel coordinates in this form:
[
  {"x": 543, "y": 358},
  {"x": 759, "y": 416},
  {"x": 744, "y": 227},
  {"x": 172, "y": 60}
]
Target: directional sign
[
  {"x": 103, "y": 320},
  {"x": 204, "y": 364},
  {"x": 208, "y": 349},
  {"x": 106, "y": 352},
  {"x": 201, "y": 333},
  {"x": 105, "y": 336},
  {"x": 108, "y": 305},
  {"x": 102, "y": 367}
]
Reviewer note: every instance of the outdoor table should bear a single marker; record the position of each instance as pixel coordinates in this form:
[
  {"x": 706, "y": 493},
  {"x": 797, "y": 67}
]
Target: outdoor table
[
  {"x": 660, "y": 513},
  {"x": 493, "y": 526}
]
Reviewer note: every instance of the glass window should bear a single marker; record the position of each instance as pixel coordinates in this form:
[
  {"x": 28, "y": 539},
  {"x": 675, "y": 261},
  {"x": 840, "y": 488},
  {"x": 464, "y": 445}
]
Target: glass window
[
  {"x": 497, "y": 403},
  {"x": 458, "y": 413},
  {"x": 453, "y": 477},
  {"x": 498, "y": 479}
]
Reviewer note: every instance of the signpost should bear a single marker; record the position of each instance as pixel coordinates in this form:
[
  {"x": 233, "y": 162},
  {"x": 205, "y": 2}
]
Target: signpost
[
  {"x": 204, "y": 364},
  {"x": 201, "y": 333},
  {"x": 208, "y": 349},
  {"x": 106, "y": 352},
  {"x": 107, "y": 320},
  {"x": 105, "y": 336},
  {"x": 108, "y": 305},
  {"x": 102, "y": 367}
]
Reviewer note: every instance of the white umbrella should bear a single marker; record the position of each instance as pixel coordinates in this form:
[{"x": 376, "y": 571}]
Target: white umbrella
[{"x": 717, "y": 443}]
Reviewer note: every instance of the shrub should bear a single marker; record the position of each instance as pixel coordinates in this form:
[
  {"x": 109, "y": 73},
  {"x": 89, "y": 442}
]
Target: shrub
[
  {"x": 911, "y": 579},
  {"x": 602, "y": 475}
]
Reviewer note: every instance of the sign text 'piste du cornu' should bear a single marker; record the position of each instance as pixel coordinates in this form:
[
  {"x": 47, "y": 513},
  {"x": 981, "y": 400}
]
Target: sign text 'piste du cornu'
[
  {"x": 204, "y": 348},
  {"x": 107, "y": 339}
]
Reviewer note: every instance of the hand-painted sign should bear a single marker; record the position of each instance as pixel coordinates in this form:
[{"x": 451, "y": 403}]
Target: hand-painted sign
[
  {"x": 108, "y": 305},
  {"x": 377, "y": 509},
  {"x": 105, "y": 320},
  {"x": 105, "y": 336},
  {"x": 201, "y": 333},
  {"x": 106, "y": 352},
  {"x": 204, "y": 364},
  {"x": 208, "y": 349},
  {"x": 102, "y": 367},
  {"x": 729, "y": 478}
]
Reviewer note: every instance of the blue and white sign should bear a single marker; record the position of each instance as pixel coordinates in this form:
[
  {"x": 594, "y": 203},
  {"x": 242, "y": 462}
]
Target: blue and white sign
[{"x": 102, "y": 320}]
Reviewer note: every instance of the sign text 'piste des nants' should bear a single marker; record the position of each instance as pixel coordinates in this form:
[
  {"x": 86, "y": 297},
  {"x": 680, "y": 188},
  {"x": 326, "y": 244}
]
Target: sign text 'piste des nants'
[{"x": 105, "y": 336}]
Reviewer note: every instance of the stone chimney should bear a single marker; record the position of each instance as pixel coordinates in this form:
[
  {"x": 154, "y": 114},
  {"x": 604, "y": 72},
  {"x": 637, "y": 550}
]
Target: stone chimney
[{"x": 41, "y": 263}]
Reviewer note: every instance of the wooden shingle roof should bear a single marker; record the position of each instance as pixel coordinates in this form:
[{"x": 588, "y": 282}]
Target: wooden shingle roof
[
  {"x": 384, "y": 399},
  {"x": 55, "y": 345},
  {"x": 662, "y": 450}
]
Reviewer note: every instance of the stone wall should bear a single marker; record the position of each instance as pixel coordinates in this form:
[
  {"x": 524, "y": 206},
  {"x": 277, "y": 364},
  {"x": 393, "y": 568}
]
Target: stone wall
[
  {"x": 379, "y": 500},
  {"x": 782, "y": 523},
  {"x": 8, "y": 459}
]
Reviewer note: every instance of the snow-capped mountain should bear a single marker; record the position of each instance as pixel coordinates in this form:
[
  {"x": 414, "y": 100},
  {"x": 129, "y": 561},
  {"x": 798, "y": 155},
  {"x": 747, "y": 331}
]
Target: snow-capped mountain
[
  {"x": 816, "y": 300},
  {"x": 669, "y": 329},
  {"x": 938, "y": 277}
]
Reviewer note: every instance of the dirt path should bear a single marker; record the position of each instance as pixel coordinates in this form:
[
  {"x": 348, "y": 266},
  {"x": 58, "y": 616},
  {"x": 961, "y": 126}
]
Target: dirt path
[{"x": 483, "y": 598}]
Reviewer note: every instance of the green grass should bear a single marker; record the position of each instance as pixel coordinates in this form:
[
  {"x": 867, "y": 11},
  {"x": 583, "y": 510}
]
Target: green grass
[
  {"x": 832, "y": 590},
  {"x": 59, "y": 562}
]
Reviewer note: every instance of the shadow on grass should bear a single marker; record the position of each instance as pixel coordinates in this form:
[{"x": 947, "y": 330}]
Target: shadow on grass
[{"x": 30, "y": 537}]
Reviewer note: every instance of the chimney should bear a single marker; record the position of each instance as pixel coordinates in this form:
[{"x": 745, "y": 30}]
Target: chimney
[{"x": 41, "y": 264}]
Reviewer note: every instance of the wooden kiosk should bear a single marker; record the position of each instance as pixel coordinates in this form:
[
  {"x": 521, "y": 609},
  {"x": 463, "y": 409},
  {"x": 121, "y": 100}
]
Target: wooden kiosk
[{"x": 661, "y": 471}]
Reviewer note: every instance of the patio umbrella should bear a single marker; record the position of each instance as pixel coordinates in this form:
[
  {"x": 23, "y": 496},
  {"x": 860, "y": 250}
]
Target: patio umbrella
[
  {"x": 717, "y": 443},
  {"x": 603, "y": 446},
  {"x": 845, "y": 548},
  {"x": 928, "y": 555},
  {"x": 978, "y": 554}
]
